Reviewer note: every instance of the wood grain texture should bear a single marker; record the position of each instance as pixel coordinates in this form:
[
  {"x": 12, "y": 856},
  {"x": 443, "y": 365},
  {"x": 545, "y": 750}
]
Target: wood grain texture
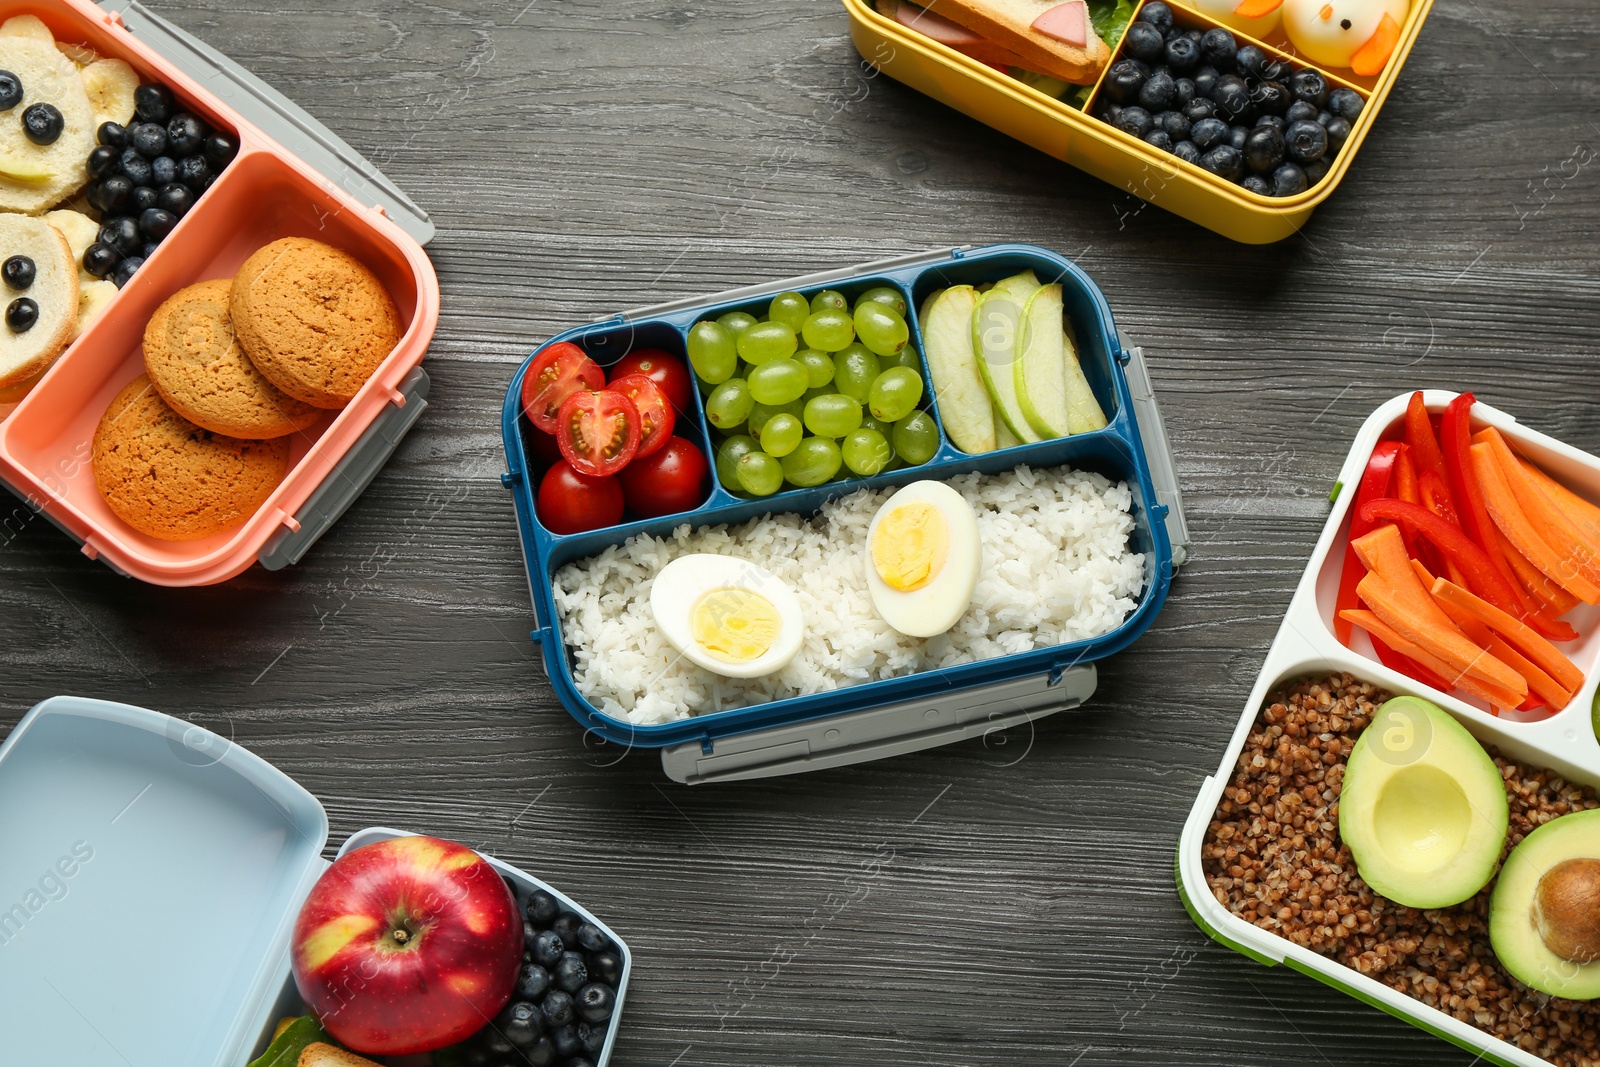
[{"x": 996, "y": 903}]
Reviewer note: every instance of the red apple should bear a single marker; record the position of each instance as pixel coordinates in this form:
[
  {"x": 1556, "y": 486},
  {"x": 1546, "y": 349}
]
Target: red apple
[{"x": 406, "y": 946}]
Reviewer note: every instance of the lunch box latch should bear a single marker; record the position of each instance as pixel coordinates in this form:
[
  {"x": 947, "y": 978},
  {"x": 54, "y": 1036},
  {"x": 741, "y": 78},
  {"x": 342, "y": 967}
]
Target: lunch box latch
[{"x": 1157, "y": 450}]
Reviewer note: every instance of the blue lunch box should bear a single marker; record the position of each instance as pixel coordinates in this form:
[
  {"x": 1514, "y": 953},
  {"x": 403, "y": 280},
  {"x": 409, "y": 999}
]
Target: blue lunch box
[
  {"x": 154, "y": 871},
  {"x": 871, "y": 720}
]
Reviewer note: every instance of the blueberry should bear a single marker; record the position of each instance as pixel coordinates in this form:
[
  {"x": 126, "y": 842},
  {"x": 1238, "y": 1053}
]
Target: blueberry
[
  {"x": 115, "y": 193},
  {"x": 595, "y": 1002},
  {"x": 152, "y": 102},
  {"x": 148, "y": 139},
  {"x": 1159, "y": 92},
  {"x": 1135, "y": 121},
  {"x": 1316, "y": 171},
  {"x": 1307, "y": 141},
  {"x": 1144, "y": 41},
  {"x": 42, "y": 123},
  {"x": 1186, "y": 151},
  {"x": 521, "y": 1023},
  {"x": 1301, "y": 111},
  {"x": 1271, "y": 97},
  {"x": 21, "y": 314},
  {"x": 1109, "y": 113},
  {"x": 570, "y": 972},
  {"x": 1346, "y": 103},
  {"x": 592, "y": 939},
  {"x": 164, "y": 169},
  {"x": 542, "y": 908},
  {"x": 1231, "y": 95},
  {"x": 1205, "y": 79},
  {"x": 1225, "y": 161},
  {"x": 1256, "y": 184},
  {"x": 121, "y": 233},
  {"x": 156, "y": 224},
  {"x": 1194, "y": 35},
  {"x": 606, "y": 967},
  {"x": 19, "y": 272},
  {"x": 540, "y": 1054},
  {"x": 565, "y": 1039},
  {"x": 591, "y": 1036},
  {"x": 1183, "y": 54},
  {"x": 1263, "y": 149},
  {"x": 112, "y": 134},
  {"x": 566, "y": 926},
  {"x": 557, "y": 1007},
  {"x": 547, "y": 949},
  {"x": 1274, "y": 121},
  {"x": 1324, "y": 117},
  {"x": 193, "y": 172},
  {"x": 1157, "y": 14},
  {"x": 1175, "y": 124},
  {"x": 100, "y": 260},
  {"x": 1124, "y": 80},
  {"x": 103, "y": 160},
  {"x": 10, "y": 90},
  {"x": 1310, "y": 86},
  {"x": 175, "y": 198},
  {"x": 1237, "y": 136},
  {"x": 219, "y": 148},
  {"x": 1288, "y": 180},
  {"x": 1208, "y": 133},
  {"x": 148, "y": 249},
  {"x": 1199, "y": 108},
  {"x": 1186, "y": 90},
  {"x": 497, "y": 1043},
  {"x": 185, "y": 134},
  {"x": 143, "y": 197},
  {"x": 1338, "y": 133},
  {"x": 532, "y": 981},
  {"x": 1159, "y": 139},
  {"x": 579, "y": 1061},
  {"x": 1217, "y": 47},
  {"x": 135, "y": 167}
]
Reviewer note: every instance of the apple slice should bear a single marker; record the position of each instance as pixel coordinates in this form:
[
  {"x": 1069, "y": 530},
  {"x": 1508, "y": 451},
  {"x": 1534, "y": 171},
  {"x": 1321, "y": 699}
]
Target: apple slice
[
  {"x": 1083, "y": 410},
  {"x": 1041, "y": 369},
  {"x": 958, "y": 387},
  {"x": 1020, "y": 286},
  {"x": 996, "y": 322}
]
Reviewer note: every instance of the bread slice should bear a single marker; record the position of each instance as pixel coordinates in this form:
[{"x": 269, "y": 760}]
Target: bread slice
[
  {"x": 55, "y": 289},
  {"x": 34, "y": 178},
  {"x": 1052, "y": 37},
  {"x": 320, "y": 1054}
]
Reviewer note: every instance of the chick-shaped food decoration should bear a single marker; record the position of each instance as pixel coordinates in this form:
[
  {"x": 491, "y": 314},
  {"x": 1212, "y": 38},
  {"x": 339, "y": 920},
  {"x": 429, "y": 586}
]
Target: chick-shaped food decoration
[{"x": 1358, "y": 34}]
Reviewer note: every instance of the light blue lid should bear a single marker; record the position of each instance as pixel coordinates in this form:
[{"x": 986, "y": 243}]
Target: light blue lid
[{"x": 150, "y": 873}]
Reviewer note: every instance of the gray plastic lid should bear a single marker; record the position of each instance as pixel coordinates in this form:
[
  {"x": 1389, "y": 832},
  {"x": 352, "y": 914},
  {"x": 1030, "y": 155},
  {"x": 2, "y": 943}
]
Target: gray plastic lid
[
  {"x": 275, "y": 114},
  {"x": 152, "y": 875}
]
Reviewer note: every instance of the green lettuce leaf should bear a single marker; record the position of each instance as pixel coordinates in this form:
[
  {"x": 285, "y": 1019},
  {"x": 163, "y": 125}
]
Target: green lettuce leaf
[
  {"x": 1109, "y": 19},
  {"x": 286, "y": 1048}
]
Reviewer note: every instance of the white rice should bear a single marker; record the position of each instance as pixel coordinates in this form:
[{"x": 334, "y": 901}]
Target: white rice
[{"x": 1056, "y": 568}]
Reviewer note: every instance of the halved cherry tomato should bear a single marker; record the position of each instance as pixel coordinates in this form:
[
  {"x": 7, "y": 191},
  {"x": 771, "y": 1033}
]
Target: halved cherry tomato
[
  {"x": 663, "y": 368},
  {"x": 598, "y": 432},
  {"x": 558, "y": 372},
  {"x": 571, "y": 503},
  {"x": 655, "y": 412}
]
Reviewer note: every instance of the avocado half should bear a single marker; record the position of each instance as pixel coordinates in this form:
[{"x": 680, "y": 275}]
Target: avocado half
[
  {"x": 1544, "y": 917},
  {"x": 1423, "y": 807}
]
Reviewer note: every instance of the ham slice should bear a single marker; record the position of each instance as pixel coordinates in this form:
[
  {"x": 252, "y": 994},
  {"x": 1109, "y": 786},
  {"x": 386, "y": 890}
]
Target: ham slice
[
  {"x": 1067, "y": 23},
  {"x": 934, "y": 26}
]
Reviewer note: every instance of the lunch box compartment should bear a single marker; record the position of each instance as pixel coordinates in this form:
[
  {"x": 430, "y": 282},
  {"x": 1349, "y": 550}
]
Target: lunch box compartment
[
  {"x": 1305, "y": 646},
  {"x": 1077, "y": 137},
  {"x": 171, "y": 939},
  {"x": 1120, "y": 452},
  {"x": 265, "y": 193}
]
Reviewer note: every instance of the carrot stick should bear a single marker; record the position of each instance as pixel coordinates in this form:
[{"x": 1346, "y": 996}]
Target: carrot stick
[
  {"x": 1378, "y": 630},
  {"x": 1583, "y": 514},
  {"x": 1539, "y": 683},
  {"x": 1520, "y": 532},
  {"x": 1545, "y": 655},
  {"x": 1558, "y": 530},
  {"x": 1554, "y": 599},
  {"x": 1436, "y": 632}
]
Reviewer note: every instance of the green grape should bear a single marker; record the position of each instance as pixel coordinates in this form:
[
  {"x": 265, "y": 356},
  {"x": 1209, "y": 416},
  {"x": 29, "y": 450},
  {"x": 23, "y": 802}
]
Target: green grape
[
  {"x": 907, "y": 357},
  {"x": 790, "y": 309},
  {"x": 779, "y": 382},
  {"x": 819, "y": 365},
  {"x": 729, "y": 404},
  {"x": 767, "y": 341},
  {"x": 712, "y": 352},
  {"x": 895, "y": 393},
  {"x": 833, "y": 415},
  {"x": 814, "y": 461},
  {"x": 916, "y": 438},
  {"x": 828, "y": 330},
  {"x": 883, "y": 294},
  {"x": 854, "y": 371},
  {"x": 737, "y": 322},
  {"x": 831, "y": 299},
  {"x": 760, "y": 474},
  {"x": 762, "y": 412},
  {"x": 781, "y": 434},
  {"x": 729, "y": 454},
  {"x": 866, "y": 452},
  {"x": 870, "y": 423},
  {"x": 879, "y": 326}
]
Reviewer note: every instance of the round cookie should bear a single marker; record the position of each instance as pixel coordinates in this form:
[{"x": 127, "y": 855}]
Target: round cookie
[
  {"x": 201, "y": 372},
  {"x": 36, "y": 177},
  {"x": 313, "y": 319},
  {"x": 54, "y": 292},
  {"x": 168, "y": 478}
]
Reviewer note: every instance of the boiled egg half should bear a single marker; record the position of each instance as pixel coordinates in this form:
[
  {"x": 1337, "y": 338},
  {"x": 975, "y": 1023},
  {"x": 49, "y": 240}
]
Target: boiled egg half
[
  {"x": 923, "y": 556},
  {"x": 727, "y": 615}
]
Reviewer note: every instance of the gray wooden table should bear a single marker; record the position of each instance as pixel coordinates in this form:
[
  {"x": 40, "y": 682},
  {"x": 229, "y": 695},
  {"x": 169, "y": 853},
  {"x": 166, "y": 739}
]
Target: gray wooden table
[{"x": 984, "y": 904}]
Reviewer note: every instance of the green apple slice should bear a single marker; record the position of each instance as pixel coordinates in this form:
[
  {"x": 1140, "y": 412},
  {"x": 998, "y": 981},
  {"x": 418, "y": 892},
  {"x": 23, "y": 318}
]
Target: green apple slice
[
  {"x": 996, "y": 321},
  {"x": 1004, "y": 438},
  {"x": 1020, "y": 286},
  {"x": 958, "y": 387},
  {"x": 1083, "y": 410},
  {"x": 927, "y": 304},
  {"x": 1040, "y": 370}
]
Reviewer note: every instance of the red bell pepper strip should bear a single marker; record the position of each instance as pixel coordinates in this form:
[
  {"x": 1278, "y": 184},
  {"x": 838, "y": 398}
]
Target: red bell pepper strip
[
  {"x": 1472, "y": 561},
  {"x": 1425, "y": 453},
  {"x": 1436, "y": 495},
  {"x": 1375, "y": 482}
]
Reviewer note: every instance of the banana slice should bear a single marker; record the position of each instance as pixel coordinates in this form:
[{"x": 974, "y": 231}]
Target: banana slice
[
  {"x": 24, "y": 168},
  {"x": 110, "y": 84},
  {"x": 80, "y": 54},
  {"x": 80, "y": 231},
  {"x": 93, "y": 296},
  {"x": 27, "y": 26}
]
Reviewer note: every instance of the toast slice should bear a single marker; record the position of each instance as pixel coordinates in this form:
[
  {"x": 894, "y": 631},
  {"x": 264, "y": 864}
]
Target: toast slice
[
  {"x": 321, "y": 1054},
  {"x": 25, "y": 353},
  {"x": 1052, "y": 37}
]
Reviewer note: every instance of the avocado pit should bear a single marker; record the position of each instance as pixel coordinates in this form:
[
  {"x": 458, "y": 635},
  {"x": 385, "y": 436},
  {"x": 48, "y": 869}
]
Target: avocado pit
[{"x": 1566, "y": 909}]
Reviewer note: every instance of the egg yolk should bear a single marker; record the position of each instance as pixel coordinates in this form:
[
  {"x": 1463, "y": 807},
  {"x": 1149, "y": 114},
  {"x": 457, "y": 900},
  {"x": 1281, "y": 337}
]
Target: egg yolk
[
  {"x": 734, "y": 624},
  {"x": 910, "y": 545}
]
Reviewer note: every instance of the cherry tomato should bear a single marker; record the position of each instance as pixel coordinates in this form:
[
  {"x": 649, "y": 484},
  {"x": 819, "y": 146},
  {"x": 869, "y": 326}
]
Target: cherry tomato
[
  {"x": 663, "y": 368},
  {"x": 655, "y": 413},
  {"x": 598, "y": 432},
  {"x": 558, "y": 372},
  {"x": 570, "y": 502},
  {"x": 671, "y": 480},
  {"x": 543, "y": 451}
]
